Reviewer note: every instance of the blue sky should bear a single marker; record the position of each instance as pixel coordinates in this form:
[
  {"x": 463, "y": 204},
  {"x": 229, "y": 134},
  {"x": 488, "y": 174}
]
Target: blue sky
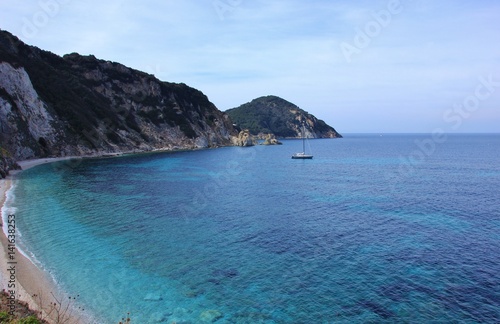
[{"x": 364, "y": 66}]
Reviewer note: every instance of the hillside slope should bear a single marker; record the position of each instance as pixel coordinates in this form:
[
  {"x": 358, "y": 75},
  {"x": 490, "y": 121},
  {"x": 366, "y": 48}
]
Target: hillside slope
[
  {"x": 274, "y": 115},
  {"x": 78, "y": 105}
]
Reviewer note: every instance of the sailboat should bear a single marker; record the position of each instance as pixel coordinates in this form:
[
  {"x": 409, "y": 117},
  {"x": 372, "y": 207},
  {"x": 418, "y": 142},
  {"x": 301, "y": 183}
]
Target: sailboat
[{"x": 302, "y": 155}]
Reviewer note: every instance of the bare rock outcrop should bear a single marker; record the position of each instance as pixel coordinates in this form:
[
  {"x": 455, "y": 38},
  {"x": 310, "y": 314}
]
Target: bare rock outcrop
[
  {"x": 53, "y": 106},
  {"x": 244, "y": 138},
  {"x": 270, "y": 139}
]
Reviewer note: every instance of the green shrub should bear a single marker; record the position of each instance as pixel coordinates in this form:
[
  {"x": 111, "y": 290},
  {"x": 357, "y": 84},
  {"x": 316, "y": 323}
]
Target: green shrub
[
  {"x": 4, "y": 317},
  {"x": 29, "y": 320}
]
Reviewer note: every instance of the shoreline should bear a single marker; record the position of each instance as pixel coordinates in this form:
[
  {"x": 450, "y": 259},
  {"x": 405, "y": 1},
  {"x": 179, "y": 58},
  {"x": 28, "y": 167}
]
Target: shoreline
[{"x": 33, "y": 285}]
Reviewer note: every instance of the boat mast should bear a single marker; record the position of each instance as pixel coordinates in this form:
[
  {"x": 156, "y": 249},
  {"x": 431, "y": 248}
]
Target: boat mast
[{"x": 303, "y": 139}]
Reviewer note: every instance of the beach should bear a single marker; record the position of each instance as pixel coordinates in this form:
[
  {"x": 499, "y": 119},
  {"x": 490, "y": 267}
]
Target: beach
[{"x": 20, "y": 276}]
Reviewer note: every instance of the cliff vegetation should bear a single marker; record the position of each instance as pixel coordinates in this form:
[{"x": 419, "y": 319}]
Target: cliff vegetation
[
  {"x": 276, "y": 116},
  {"x": 53, "y": 106}
]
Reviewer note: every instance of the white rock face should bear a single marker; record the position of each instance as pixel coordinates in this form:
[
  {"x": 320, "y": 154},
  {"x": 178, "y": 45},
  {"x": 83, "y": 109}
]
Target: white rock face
[
  {"x": 23, "y": 115},
  {"x": 17, "y": 84}
]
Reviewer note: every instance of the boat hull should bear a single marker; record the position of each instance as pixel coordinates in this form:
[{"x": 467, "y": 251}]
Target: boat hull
[{"x": 302, "y": 156}]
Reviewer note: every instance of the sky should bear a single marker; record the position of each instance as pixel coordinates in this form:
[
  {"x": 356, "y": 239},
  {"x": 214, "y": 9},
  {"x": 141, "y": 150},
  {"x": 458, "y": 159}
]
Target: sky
[{"x": 379, "y": 66}]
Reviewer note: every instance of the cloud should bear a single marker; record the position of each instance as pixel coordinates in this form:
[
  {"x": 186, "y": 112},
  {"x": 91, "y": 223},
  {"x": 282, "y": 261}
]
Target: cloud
[{"x": 427, "y": 56}]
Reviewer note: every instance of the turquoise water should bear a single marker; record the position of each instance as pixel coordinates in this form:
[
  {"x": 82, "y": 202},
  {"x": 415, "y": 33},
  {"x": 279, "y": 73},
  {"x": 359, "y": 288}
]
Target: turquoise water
[{"x": 375, "y": 229}]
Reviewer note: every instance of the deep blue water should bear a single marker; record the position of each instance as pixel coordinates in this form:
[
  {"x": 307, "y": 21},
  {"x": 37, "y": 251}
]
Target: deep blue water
[{"x": 374, "y": 229}]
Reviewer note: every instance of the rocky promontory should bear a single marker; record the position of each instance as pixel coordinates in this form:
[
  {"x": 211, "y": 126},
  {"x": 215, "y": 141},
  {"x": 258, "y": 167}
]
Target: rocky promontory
[
  {"x": 270, "y": 139},
  {"x": 75, "y": 105},
  {"x": 281, "y": 118},
  {"x": 244, "y": 138},
  {"x": 52, "y": 106}
]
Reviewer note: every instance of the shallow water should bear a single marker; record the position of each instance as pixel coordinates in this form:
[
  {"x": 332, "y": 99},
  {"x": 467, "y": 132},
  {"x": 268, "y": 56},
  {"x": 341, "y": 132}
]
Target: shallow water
[{"x": 373, "y": 229}]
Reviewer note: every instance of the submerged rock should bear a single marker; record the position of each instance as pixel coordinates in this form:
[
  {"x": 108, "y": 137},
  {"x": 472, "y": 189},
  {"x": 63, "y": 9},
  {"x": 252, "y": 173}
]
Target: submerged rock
[
  {"x": 158, "y": 317},
  {"x": 226, "y": 273},
  {"x": 180, "y": 316},
  {"x": 210, "y": 316},
  {"x": 192, "y": 293},
  {"x": 153, "y": 297},
  {"x": 178, "y": 321}
]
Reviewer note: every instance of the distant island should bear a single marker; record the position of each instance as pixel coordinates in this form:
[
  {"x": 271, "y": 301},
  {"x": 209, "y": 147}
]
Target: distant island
[{"x": 281, "y": 118}]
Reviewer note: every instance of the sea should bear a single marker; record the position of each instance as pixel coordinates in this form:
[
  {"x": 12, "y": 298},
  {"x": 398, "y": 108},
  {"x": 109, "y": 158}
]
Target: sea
[{"x": 376, "y": 228}]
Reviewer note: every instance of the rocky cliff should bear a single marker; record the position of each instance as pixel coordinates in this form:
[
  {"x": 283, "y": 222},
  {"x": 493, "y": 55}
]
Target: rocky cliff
[
  {"x": 7, "y": 163},
  {"x": 244, "y": 138},
  {"x": 276, "y": 116},
  {"x": 270, "y": 139},
  {"x": 80, "y": 105}
]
